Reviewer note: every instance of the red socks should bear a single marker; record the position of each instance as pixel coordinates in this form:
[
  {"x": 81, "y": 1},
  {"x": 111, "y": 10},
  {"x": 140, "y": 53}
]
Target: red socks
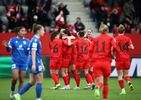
[
  {"x": 68, "y": 77},
  {"x": 65, "y": 78},
  {"x": 78, "y": 80},
  {"x": 127, "y": 78},
  {"x": 89, "y": 78},
  {"x": 92, "y": 75},
  {"x": 99, "y": 85},
  {"x": 57, "y": 76},
  {"x": 54, "y": 77},
  {"x": 105, "y": 91},
  {"x": 121, "y": 84},
  {"x": 74, "y": 74}
]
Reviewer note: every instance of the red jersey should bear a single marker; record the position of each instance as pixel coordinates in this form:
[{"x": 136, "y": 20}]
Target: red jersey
[
  {"x": 91, "y": 52},
  {"x": 82, "y": 46},
  {"x": 123, "y": 51},
  {"x": 67, "y": 50},
  {"x": 101, "y": 47},
  {"x": 56, "y": 47}
]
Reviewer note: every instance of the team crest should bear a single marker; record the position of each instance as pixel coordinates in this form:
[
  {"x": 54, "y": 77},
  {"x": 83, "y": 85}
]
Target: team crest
[
  {"x": 24, "y": 42},
  {"x": 16, "y": 41}
]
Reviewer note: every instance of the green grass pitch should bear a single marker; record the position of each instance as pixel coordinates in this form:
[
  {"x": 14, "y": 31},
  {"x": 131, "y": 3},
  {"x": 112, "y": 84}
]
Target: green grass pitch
[{"x": 114, "y": 90}]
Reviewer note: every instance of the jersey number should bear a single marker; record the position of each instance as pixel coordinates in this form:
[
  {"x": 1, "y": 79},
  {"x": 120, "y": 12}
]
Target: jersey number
[
  {"x": 84, "y": 51},
  {"x": 103, "y": 51},
  {"x": 55, "y": 49},
  {"x": 125, "y": 47}
]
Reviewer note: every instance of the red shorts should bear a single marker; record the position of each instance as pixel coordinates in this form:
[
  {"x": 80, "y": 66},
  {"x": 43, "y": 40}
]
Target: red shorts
[
  {"x": 102, "y": 68},
  {"x": 55, "y": 64},
  {"x": 82, "y": 65},
  {"x": 66, "y": 63},
  {"x": 120, "y": 65},
  {"x": 73, "y": 61}
]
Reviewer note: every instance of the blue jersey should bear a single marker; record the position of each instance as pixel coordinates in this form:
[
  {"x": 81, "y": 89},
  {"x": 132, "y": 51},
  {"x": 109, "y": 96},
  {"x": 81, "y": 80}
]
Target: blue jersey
[
  {"x": 35, "y": 44},
  {"x": 20, "y": 50}
]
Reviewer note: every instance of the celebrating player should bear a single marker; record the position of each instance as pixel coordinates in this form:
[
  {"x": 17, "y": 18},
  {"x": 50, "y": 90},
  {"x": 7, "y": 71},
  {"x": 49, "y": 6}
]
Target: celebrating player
[
  {"x": 89, "y": 36},
  {"x": 101, "y": 60},
  {"x": 35, "y": 64},
  {"x": 56, "y": 46},
  {"x": 20, "y": 50},
  {"x": 83, "y": 61},
  {"x": 123, "y": 58}
]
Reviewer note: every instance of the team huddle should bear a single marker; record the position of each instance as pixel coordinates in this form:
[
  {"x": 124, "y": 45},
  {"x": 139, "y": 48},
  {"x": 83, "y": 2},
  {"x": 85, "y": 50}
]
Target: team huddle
[{"x": 82, "y": 52}]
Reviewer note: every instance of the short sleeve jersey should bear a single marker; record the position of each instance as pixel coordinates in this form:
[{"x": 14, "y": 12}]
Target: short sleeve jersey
[
  {"x": 20, "y": 49},
  {"x": 122, "y": 53},
  {"x": 36, "y": 45},
  {"x": 56, "y": 47},
  {"x": 82, "y": 46},
  {"x": 101, "y": 47},
  {"x": 91, "y": 53}
]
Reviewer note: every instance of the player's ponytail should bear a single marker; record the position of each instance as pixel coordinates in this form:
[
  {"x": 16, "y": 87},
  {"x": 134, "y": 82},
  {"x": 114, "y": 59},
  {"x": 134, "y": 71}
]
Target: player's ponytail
[
  {"x": 103, "y": 28},
  {"x": 36, "y": 27},
  {"x": 81, "y": 34},
  {"x": 121, "y": 29},
  {"x": 17, "y": 29},
  {"x": 53, "y": 35}
]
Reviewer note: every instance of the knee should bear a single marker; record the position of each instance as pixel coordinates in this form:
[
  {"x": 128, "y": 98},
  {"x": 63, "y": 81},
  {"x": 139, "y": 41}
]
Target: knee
[
  {"x": 15, "y": 78},
  {"x": 21, "y": 80}
]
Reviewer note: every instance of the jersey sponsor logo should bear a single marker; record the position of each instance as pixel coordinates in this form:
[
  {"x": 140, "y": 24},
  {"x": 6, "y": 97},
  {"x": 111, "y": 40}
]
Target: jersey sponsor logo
[
  {"x": 24, "y": 42},
  {"x": 20, "y": 47}
]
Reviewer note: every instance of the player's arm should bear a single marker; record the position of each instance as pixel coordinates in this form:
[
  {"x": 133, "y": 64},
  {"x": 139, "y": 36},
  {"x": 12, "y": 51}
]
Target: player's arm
[
  {"x": 114, "y": 55},
  {"x": 43, "y": 65},
  {"x": 113, "y": 42},
  {"x": 92, "y": 46},
  {"x": 28, "y": 47},
  {"x": 131, "y": 47},
  {"x": 88, "y": 40}
]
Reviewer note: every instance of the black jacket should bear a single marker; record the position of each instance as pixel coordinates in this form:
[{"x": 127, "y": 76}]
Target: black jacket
[
  {"x": 80, "y": 24},
  {"x": 101, "y": 15}
]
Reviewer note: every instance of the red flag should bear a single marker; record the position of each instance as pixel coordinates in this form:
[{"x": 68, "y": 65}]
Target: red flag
[{"x": 60, "y": 19}]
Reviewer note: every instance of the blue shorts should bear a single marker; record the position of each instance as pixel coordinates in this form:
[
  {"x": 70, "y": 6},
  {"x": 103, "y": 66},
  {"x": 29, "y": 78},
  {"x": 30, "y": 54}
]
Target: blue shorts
[
  {"x": 19, "y": 66},
  {"x": 39, "y": 68}
]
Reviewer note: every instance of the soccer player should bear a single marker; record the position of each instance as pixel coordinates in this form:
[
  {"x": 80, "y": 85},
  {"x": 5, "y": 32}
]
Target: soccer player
[
  {"x": 124, "y": 44},
  {"x": 101, "y": 60},
  {"x": 89, "y": 36},
  {"x": 35, "y": 64},
  {"x": 56, "y": 46},
  {"x": 20, "y": 50},
  {"x": 83, "y": 61}
]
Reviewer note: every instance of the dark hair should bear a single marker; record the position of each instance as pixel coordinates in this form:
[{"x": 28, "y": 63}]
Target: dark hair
[
  {"x": 66, "y": 31},
  {"x": 36, "y": 27},
  {"x": 17, "y": 29},
  {"x": 79, "y": 18},
  {"x": 90, "y": 29},
  {"x": 102, "y": 6},
  {"x": 53, "y": 35},
  {"x": 81, "y": 33}
]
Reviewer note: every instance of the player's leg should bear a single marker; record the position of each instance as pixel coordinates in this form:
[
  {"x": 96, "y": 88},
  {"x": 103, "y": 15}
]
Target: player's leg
[
  {"x": 77, "y": 79},
  {"x": 125, "y": 74},
  {"x": 15, "y": 73},
  {"x": 54, "y": 77},
  {"x": 88, "y": 83},
  {"x": 39, "y": 80},
  {"x": 105, "y": 88},
  {"x": 92, "y": 73},
  {"x": 69, "y": 74}
]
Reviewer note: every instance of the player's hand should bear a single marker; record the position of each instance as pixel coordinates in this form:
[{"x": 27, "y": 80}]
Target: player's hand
[
  {"x": 5, "y": 43},
  {"x": 33, "y": 68},
  {"x": 43, "y": 67}
]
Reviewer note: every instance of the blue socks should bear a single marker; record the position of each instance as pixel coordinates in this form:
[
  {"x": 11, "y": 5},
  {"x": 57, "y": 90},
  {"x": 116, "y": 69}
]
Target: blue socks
[
  {"x": 38, "y": 90},
  {"x": 24, "y": 88},
  {"x": 19, "y": 89},
  {"x": 12, "y": 89}
]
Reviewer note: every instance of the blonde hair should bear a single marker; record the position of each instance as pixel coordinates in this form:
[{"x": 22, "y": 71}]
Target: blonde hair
[
  {"x": 121, "y": 29},
  {"x": 61, "y": 32},
  {"x": 103, "y": 28}
]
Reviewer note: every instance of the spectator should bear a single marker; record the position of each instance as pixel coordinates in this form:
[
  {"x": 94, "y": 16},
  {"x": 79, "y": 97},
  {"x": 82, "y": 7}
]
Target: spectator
[
  {"x": 111, "y": 3},
  {"x": 63, "y": 8},
  {"x": 128, "y": 9},
  {"x": 101, "y": 15},
  {"x": 79, "y": 25},
  {"x": 12, "y": 23},
  {"x": 137, "y": 4},
  {"x": 139, "y": 28},
  {"x": 52, "y": 13},
  {"x": 53, "y": 27},
  {"x": 115, "y": 17},
  {"x": 47, "y": 5},
  {"x": 94, "y": 5},
  {"x": 42, "y": 14},
  {"x": 109, "y": 23},
  {"x": 128, "y": 25},
  {"x": 31, "y": 9},
  {"x": 22, "y": 2},
  {"x": 35, "y": 20},
  {"x": 23, "y": 22},
  {"x": 1, "y": 23},
  {"x": 4, "y": 30},
  {"x": 7, "y": 2},
  {"x": 39, "y": 1}
]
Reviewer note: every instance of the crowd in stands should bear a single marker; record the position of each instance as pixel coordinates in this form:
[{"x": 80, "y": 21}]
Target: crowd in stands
[{"x": 111, "y": 12}]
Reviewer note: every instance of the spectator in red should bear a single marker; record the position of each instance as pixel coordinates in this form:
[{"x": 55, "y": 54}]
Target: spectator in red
[
  {"x": 109, "y": 23},
  {"x": 101, "y": 15},
  {"x": 115, "y": 17},
  {"x": 63, "y": 8},
  {"x": 79, "y": 26},
  {"x": 128, "y": 25},
  {"x": 94, "y": 5}
]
